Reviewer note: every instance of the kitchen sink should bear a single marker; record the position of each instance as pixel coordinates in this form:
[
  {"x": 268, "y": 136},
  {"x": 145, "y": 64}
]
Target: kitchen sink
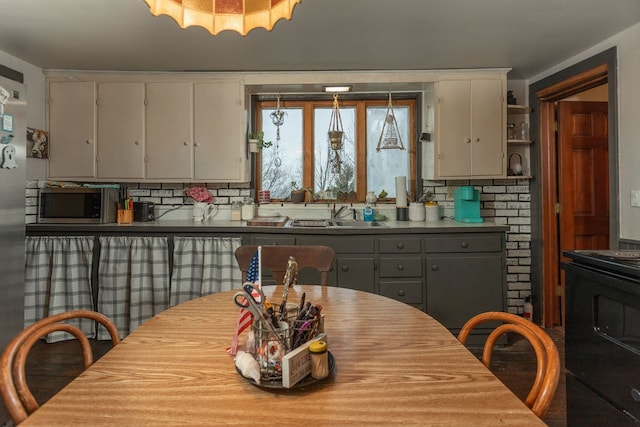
[
  {"x": 329, "y": 223},
  {"x": 358, "y": 224}
]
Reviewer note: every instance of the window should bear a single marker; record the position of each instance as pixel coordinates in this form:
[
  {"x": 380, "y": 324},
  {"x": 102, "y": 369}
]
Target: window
[{"x": 301, "y": 155}]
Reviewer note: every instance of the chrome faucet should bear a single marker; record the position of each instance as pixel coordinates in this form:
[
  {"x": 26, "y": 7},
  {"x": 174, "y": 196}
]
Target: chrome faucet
[{"x": 334, "y": 213}]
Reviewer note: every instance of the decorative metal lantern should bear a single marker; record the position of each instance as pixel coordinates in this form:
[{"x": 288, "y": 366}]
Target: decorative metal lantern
[
  {"x": 336, "y": 134},
  {"x": 390, "y": 138}
]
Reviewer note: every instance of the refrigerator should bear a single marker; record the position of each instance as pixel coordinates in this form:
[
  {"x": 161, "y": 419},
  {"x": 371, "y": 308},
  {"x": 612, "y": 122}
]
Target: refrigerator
[{"x": 13, "y": 135}]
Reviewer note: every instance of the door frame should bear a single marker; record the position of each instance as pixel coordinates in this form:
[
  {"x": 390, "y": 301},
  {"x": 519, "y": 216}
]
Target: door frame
[{"x": 545, "y": 250}]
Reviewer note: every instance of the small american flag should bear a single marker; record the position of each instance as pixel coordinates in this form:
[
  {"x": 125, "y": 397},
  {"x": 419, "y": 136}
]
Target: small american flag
[{"x": 245, "y": 318}]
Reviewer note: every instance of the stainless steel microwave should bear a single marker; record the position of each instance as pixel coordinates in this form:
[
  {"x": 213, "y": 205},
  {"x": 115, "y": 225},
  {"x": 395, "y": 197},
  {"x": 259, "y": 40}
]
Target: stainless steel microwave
[{"x": 78, "y": 205}]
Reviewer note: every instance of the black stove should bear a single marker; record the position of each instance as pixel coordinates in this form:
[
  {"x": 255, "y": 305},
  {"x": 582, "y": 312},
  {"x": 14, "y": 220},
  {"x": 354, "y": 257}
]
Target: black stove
[{"x": 621, "y": 262}]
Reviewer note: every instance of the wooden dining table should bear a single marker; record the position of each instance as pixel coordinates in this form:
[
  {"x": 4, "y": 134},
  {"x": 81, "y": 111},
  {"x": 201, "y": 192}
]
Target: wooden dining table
[{"x": 394, "y": 364}]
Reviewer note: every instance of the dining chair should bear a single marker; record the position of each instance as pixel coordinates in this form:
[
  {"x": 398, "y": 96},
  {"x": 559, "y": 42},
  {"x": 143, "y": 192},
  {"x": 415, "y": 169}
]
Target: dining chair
[
  {"x": 15, "y": 392},
  {"x": 276, "y": 259},
  {"x": 548, "y": 358}
]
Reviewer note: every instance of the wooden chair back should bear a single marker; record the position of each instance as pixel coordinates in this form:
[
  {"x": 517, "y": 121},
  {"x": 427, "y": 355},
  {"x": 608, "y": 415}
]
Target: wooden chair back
[
  {"x": 276, "y": 258},
  {"x": 548, "y": 358},
  {"x": 16, "y": 395}
]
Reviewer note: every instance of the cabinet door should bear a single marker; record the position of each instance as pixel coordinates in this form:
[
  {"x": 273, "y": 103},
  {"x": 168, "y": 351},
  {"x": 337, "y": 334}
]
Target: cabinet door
[
  {"x": 219, "y": 143},
  {"x": 169, "y": 152},
  {"x": 356, "y": 273},
  {"x": 488, "y": 140},
  {"x": 471, "y": 138},
  {"x": 453, "y": 153},
  {"x": 72, "y": 107},
  {"x": 121, "y": 130},
  {"x": 459, "y": 286}
]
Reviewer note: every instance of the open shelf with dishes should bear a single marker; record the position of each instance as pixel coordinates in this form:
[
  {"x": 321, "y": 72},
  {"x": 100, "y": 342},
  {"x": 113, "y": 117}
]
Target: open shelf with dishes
[{"x": 518, "y": 142}]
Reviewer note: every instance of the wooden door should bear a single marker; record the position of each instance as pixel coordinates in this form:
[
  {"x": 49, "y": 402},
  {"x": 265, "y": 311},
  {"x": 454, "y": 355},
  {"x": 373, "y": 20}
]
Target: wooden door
[
  {"x": 583, "y": 175},
  {"x": 169, "y": 153},
  {"x": 121, "y": 130},
  {"x": 72, "y": 124}
]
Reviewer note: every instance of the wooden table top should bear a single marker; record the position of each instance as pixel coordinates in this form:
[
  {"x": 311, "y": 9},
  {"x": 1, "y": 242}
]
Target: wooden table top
[{"x": 394, "y": 365}]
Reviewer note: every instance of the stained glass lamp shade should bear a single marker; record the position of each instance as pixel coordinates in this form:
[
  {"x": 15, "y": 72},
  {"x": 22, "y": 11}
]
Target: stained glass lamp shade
[{"x": 241, "y": 16}]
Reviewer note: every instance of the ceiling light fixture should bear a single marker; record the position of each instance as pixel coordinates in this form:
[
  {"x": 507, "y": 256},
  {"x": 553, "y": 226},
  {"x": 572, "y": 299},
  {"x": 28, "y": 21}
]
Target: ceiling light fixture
[
  {"x": 241, "y": 16},
  {"x": 337, "y": 89}
]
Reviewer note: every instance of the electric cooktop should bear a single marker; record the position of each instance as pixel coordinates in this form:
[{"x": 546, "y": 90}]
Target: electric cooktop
[{"x": 619, "y": 261}]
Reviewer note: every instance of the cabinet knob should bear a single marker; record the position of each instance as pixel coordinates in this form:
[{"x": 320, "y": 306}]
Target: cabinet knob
[
  {"x": 186, "y": 143},
  {"x": 400, "y": 267},
  {"x": 464, "y": 245},
  {"x": 136, "y": 142},
  {"x": 400, "y": 245},
  {"x": 467, "y": 140},
  {"x": 435, "y": 267},
  {"x": 195, "y": 144},
  {"x": 401, "y": 292},
  {"x": 88, "y": 141},
  {"x": 477, "y": 139},
  {"x": 345, "y": 268},
  {"x": 635, "y": 394}
]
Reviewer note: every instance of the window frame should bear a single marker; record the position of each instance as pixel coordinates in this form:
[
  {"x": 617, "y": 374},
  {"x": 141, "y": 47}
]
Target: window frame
[{"x": 360, "y": 102}]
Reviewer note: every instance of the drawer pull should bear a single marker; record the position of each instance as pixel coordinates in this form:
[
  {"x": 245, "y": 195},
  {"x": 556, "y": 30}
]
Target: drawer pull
[
  {"x": 464, "y": 245},
  {"x": 401, "y": 292},
  {"x": 400, "y": 245},
  {"x": 635, "y": 394},
  {"x": 435, "y": 267},
  {"x": 345, "y": 268},
  {"x": 400, "y": 267}
]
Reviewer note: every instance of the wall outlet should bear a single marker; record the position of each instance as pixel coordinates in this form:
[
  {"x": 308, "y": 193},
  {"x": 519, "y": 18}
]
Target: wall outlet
[{"x": 635, "y": 198}]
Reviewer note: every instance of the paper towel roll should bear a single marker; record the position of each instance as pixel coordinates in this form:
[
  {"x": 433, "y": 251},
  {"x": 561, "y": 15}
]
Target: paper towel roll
[{"x": 401, "y": 191}]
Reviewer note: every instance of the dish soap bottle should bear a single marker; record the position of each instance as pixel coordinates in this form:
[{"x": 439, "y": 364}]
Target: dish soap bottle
[{"x": 368, "y": 213}]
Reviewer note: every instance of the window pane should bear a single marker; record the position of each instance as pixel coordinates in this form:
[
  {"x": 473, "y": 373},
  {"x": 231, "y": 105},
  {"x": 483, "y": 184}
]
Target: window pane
[
  {"x": 384, "y": 165},
  {"x": 334, "y": 170},
  {"x": 282, "y": 162}
]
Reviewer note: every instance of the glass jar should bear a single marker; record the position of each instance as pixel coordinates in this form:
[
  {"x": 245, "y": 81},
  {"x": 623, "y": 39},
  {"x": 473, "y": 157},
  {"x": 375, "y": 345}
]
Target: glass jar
[
  {"x": 524, "y": 131},
  {"x": 236, "y": 211}
]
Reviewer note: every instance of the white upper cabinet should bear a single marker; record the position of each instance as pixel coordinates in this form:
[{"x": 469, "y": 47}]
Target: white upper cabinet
[
  {"x": 121, "y": 143},
  {"x": 151, "y": 130},
  {"x": 72, "y": 139},
  {"x": 169, "y": 130},
  {"x": 470, "y": 129},
  {"x": 219, "y": 136}
]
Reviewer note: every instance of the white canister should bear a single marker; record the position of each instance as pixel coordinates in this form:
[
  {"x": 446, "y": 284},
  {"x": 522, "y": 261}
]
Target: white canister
[
  {"x": 416, "y": 211},
  {"x": 432, "y": 212},
  {"x": 248, "y": 211}
]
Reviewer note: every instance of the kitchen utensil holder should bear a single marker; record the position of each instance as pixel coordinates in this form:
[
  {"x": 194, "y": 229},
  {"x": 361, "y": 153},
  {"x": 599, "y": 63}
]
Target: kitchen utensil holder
[{"x": 125, "y": 216}]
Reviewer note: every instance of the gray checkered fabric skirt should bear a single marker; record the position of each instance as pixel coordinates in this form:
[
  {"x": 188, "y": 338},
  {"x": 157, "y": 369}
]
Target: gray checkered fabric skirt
[
  {"x": 58, "y": 279},
  {"x": 133, "y": 280},
  {"x": 202, "y": 266}
]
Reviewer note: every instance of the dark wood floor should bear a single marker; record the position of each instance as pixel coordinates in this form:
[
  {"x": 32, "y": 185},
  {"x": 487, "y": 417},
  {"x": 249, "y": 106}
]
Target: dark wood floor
[{"x": 51, "y": 366}]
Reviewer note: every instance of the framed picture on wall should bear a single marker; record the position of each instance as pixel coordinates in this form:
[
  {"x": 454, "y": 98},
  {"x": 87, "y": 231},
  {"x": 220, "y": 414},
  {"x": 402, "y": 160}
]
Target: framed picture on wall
[{"x": 37, "y": 143}]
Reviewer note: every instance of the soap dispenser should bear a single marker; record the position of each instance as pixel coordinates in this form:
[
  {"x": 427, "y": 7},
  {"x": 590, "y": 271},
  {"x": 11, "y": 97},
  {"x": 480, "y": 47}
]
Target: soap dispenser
[{"x": 368, "y": 213}]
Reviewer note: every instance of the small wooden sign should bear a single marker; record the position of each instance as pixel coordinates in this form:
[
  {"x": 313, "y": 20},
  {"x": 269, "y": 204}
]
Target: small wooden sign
[{"x": 297, "y": 363}]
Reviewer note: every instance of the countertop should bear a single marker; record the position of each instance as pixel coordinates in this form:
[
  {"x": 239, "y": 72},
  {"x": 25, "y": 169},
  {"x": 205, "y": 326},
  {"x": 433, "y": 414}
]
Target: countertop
[{"x": 225, "y": 226}]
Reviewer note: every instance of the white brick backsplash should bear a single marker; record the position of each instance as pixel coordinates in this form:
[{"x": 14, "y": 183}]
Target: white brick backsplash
[
  {"x": 517, "y": 189},
  {"x": 517, "y": 237},
  {"x": 161, "y": 193},
  {"x": 506, "y": 212},
  {"x": 494, "y": 189},
  {"x": 229, "y": 192},
  {"x": 139, "y": 192},
  {"x": 506, "y": 197},
  {"x": 520, "y": 220}
]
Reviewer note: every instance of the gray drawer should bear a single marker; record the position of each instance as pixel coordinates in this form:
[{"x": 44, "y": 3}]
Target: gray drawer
[
  {"x": 410, "y": 292},
  {"x": 400, "y": 245},
  {"x": 274, "y": 240},
  {"x": 464, "y": 243},
  {"x": 342, "y": 245},
  {"x": 400, "y": 267}
]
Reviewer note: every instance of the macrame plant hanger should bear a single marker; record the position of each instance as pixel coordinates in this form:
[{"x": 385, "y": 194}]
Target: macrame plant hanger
[
  {"x": 390, "y": 138},
  {"x": 336, "y": 134},
  {"x": 277, "y": 118}
]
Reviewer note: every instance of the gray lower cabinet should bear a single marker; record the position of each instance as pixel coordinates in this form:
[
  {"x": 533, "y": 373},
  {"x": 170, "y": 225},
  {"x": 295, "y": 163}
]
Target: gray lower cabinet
[
  {"x": 465, "y": 276},
  {"x": 400, "y": 275}
]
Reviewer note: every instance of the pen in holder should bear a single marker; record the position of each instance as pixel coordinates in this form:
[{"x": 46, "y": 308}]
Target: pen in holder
[{"x": 125, "y": 216}]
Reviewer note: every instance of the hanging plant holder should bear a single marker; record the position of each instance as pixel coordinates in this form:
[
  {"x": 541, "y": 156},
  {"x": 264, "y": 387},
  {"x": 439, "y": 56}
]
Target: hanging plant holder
[
  {"x": 390, "y": 138},
  {"x": 336, "y": 133},
  {"x": 277, "y": 118}
]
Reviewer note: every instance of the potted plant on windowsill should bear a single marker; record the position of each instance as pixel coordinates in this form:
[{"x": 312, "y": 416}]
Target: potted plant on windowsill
[
  {"x": 297, "y": 193},
  {"x": 257, "y": 142}
]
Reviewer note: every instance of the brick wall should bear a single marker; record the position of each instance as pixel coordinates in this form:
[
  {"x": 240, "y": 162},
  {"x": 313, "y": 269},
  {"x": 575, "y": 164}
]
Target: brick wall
[{"x": 505, "y": 202}]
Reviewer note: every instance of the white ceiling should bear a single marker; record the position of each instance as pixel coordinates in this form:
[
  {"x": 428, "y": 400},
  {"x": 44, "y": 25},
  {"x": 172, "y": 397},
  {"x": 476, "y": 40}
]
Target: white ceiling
[{"x": 528, "y": 36}]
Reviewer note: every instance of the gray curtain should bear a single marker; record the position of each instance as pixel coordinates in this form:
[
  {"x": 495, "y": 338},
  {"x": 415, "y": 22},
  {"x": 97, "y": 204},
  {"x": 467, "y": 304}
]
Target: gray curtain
[
  {"x": 58, "y": 279},
  {"x": 133, "y": 280},
  {"x": 202, "y": 266}
]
